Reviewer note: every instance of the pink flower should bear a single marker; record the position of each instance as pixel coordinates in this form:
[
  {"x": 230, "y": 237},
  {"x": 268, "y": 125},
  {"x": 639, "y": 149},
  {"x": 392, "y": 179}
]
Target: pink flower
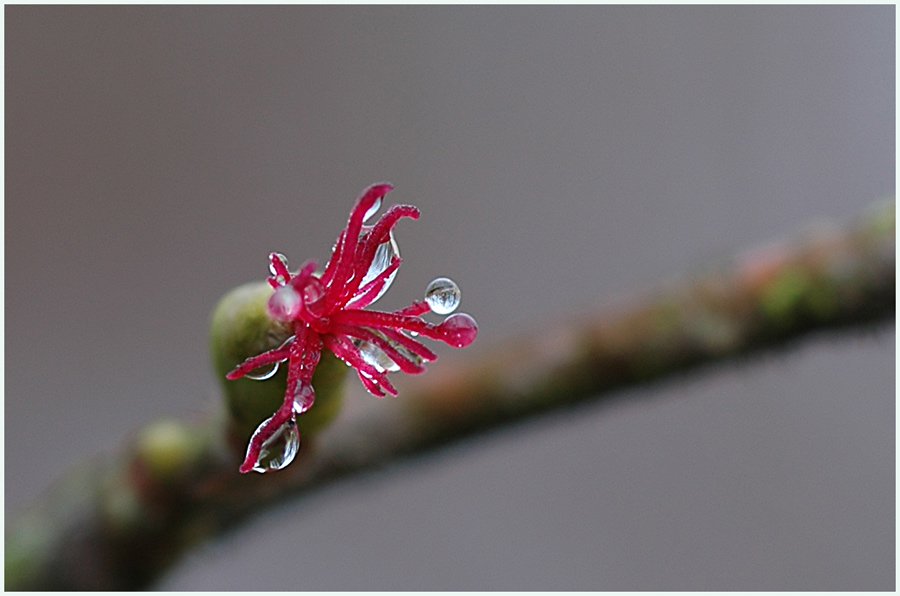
[{"x": 327, "y": 311}]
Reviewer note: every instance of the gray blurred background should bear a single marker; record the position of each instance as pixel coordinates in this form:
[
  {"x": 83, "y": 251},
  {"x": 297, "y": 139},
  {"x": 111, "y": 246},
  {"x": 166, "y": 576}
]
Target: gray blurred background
[{"x": 563, "y": 158}]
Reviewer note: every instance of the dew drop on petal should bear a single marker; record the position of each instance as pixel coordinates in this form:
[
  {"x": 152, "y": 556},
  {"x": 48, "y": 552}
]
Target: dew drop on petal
[
  {"x": 285, "y": 303},
  {"x": 267, "y": 371},
  {"x": 442, "y": 296},
  {"x": 313, "y": 292},
  {"x": 304, "y": 396},
  {"x": 458, "y": 330},
  {"x": 385, "y": 252},
  {"x": 407, "y": 353},
  {"x": 263, "y": 372},
  {"x": 372, "y": 210},
  {"x": 375, "y": 356},
  {"x": 279, "y": 449},
  {"x": 272, "y": 269}
]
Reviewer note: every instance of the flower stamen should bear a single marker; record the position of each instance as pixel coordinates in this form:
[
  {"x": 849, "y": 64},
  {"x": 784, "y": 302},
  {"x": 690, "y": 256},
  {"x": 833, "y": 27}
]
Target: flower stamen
[{"x": 326, "y": 312}]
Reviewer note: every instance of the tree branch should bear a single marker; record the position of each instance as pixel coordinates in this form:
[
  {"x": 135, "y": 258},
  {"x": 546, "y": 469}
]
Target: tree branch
[{"x": 119, "y": 521}]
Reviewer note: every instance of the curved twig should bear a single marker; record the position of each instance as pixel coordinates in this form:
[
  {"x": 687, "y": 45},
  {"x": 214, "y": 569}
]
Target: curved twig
[{"x": 118, "y": 522}]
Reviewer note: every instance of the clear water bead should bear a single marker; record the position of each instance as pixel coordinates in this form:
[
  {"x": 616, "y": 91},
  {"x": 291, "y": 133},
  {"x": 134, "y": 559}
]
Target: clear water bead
[
  {"x": 279, "y": 450},
  {"x": 372, "y": 210},
  {"x": 384, "y": 254},
  {"x": 442, "y": 296},
  {"x": 267, "y": 371},
  {"x": 375, "y": 356},
  {"x": 304, "y": 396},
  {"x": 272, "y": 269},
  {"x": 312, "y": 294},
  {"x": 263, "y": 372},
  {"x": 406, "y": 352}
]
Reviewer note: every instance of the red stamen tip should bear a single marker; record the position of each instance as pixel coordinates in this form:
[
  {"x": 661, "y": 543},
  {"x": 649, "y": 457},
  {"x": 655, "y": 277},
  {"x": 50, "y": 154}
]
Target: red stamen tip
[{"x": 459, "y": 330}]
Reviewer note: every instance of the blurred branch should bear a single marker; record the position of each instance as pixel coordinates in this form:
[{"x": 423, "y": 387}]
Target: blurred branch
[{"x": 118, "y": 522}]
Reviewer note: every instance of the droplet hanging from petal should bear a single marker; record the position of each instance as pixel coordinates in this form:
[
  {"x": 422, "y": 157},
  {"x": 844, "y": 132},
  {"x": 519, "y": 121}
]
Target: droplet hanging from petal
[
  {"x": 263, "y": 372},
  {"x": 373, "y": 209},
  {"x": 312, "y": 293},
  {"x": 278, "y": 450},
  {"x": 375, "y": 356},
  {"x": 442, "y": 296},
  {"x": 278, "y": 272},
  {"x": 304, "y": 396},
  {"x": 267, "y": 371},
  {"x": 385, "y": 252}
]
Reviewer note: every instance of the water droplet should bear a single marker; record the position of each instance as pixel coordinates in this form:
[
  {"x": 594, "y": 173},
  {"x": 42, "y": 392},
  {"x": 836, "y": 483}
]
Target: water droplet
[
  {"x": 442, "y": 296},
  {"x": 304, "y": 396},
  {"x": 372, "y": 210},
  {"x": 283, "y": 259},
  {"x": 385, "y": 252},
  {"x": 267, "y": 371},
  {"x": 279, "y": 449},
  {"x": 409, "y": 354},
  {"x": 313, "y": 292},
  {"x": 375, "y": 356},
  {"x": 459, "y": 330},
  {"x": 285, "y": 303},
  {"x": 263, "y": 372}
]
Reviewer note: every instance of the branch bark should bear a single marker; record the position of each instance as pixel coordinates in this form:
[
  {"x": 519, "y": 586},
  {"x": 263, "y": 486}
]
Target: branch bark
[{"x": 118, "y": 522}]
